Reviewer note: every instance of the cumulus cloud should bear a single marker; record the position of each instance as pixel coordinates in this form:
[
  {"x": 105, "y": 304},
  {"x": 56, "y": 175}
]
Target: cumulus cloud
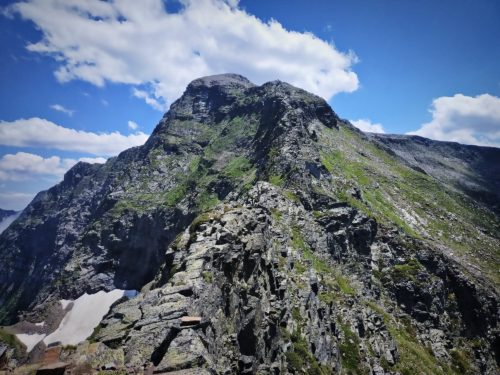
[
  {"x": 159, "y": 105},
  {"x": 159, "y": 51},
  {"x": 97, "y": 160},
  {"x": 367, "y": 126},
  {"x": 37, "y": 132},
  {"x": 464, "y": 119},
  {"x": 60, "y": 108},
  {"x": 24, "y": 166},
  {"x": 132, "y": 125}
]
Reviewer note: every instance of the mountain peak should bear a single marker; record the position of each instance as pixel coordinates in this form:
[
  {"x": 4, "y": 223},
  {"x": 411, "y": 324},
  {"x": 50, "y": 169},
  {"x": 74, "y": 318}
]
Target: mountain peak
[{"x": 225, "y": 80}]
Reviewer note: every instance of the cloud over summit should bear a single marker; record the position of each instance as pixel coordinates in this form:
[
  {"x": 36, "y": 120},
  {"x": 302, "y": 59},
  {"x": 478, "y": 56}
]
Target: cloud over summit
[{"x": 158, "y": 51}]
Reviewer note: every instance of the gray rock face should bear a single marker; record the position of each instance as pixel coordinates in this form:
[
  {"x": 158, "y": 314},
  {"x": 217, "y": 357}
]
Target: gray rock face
[
  {"x": 257, "y": 247},
  {"x": 473, "y": 170}
]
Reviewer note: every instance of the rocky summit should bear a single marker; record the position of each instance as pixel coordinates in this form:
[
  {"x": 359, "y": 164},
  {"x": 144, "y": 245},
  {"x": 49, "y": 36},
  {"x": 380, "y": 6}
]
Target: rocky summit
[{"x": 257, "y": 232}]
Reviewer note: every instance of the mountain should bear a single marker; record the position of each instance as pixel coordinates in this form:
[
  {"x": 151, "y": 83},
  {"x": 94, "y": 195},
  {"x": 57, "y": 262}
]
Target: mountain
[
  {"x": 6, "y": 213},
  {"x": 471, "y": 170},
  {"x": 258, "y": 232}
]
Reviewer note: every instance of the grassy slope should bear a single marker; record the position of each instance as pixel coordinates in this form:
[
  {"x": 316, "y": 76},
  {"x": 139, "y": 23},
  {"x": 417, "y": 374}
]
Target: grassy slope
[
  {"x": 221, "y": 159},
  {"x": 417, "y": 203}
]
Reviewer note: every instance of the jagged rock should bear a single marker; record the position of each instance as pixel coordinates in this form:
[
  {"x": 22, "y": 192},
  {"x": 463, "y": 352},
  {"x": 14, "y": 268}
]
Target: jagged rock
[
  {"x": 99, "y": 356},
  {"x": 184, "y": 352}
]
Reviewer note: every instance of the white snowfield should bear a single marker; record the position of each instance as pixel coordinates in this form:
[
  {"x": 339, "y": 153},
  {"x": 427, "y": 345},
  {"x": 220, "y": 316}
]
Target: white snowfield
[
  {"x": 86, "y": 313},
  {"x": 30, "y": 340},
  {"x": 79, "y": 323}
]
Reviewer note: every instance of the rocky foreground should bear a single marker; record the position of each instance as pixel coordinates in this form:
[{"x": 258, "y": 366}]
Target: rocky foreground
[{"x": 257, "y": 232}]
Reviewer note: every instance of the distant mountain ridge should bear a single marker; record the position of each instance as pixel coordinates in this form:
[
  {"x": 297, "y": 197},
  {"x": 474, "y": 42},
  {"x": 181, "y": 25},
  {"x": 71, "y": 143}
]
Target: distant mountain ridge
[
  {"x": 6, "y": 218},
  {"x": 6, "y": 213},
  {"x": 474, "y": 170},
  {"x": 263, "y": 234}
]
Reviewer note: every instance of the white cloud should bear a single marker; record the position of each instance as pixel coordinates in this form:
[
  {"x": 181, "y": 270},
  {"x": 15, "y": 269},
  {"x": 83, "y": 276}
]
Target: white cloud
[
  {"x": 143, "y": 44},
  {"x": 367, "y": 126},
  {"x": 60, "y": 108},
  {"x": 24, "y": 166},
  {"x": 97, "y": 160},
  {"x": 132, "y": 125},
  {"x": 156, "y": 104},
  {"x": 464, "y": 119},
  {"x": 37, "y": 132}
]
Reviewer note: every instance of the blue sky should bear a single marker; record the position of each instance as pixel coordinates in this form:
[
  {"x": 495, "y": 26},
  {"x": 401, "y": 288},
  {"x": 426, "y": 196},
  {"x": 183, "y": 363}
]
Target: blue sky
[{"x": 91, "y": 79}]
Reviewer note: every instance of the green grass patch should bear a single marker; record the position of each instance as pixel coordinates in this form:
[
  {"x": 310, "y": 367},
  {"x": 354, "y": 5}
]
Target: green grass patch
[
  {"x": 300, "y": 268},
  {"x": 290, "y": 195},
  {"x": 276, "y": 214},
  {"x": 349, "y": 351},
  {"x": 297, "y": 315},
  {"x": 460, "y": 361},
  {"x": 237, "y": 167},
  {"x": 206, "y": 201},
  {"x": 415, "y": 358},
  {"x": 407, "y": 271},
  {"x": 276, "y": 180},
  {"x": 11, "y": 340},
  {"x": 202, "y": 219},
  {"x": 327, "y": 297},
  {"x": 176, "y": 194},
  {"x": 319, "y": 265},
  {"x": 300, "y": 360},
  {"x": 208, "y": 276}
]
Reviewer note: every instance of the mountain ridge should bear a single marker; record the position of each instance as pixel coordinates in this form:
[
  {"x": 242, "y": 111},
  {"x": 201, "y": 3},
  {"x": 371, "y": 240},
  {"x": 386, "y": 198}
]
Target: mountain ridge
[{"x": 301, "y": 244}]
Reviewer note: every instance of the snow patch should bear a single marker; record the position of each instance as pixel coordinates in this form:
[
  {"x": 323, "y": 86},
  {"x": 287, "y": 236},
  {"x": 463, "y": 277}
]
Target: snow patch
[
  {"x": 41, "y": 324},
  {"x": 30, "y": 340},
  {"x": 65, "y": 303},
  {"x": 86, "y": 313}
]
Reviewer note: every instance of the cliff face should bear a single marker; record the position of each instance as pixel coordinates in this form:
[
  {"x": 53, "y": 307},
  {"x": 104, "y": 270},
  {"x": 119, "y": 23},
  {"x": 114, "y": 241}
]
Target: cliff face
[{"x": 266, "y": 235}]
